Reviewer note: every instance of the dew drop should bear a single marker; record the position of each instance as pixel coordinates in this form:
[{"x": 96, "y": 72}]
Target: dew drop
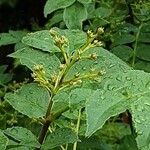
[
  {"x": 119, "y": 78},
  {"x": 31, "y": 92},
  {"x": 128, "y": 78},
  {"x": 133, "y": 84},
  {"x": 84, "y": 68},
  {"x": 148, "y": 104},
  {"x": 111, "y": 65},
  {"x": 50, "y": 67},
  {"x": 138, "y": 121},
  {"x": 110, "y": 87},
  {"x": 102, "y": 97},
  {"x": 148, "y": 85},
  {"x": 140, "y": 132},
  {"x": 96, "y": 62}
]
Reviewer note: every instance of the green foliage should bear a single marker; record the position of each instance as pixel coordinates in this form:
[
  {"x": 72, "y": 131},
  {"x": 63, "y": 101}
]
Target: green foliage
[
  {"x": 21, "y": 137},
  {"x": 11, "y": 3},
  {"x": 40, "y": 40},
  {"x": 12, "y": 37},
  {"x": 29, "y": 96},
  {"x": 4, "y": 77},
  {"x": 74, "y": 18},
  {"x": 59, "y": 137},
  {"x": 3, "y": 141},
  {"x": 32, "y": 57},
  {"x": 78, "y": 90},
  {"x": 51, "y": 6}
]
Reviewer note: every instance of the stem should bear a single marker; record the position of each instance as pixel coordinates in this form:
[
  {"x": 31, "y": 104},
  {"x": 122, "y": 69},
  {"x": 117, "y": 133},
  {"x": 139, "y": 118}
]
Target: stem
[
  {"x": 46, "y": 124},
  {"x": 43, "y": 132},
  {"x": 130, "y": 122},
  {"x": 66, "y": 147},
  {"x": 130, "y": 19},
  {"x": 65, "y": 55},
  {"x": 62, "y": 147},
  {"x": 76, "y": 56},
  {"x": 135, "y": 47},
  {"x": 77, "y": 129},
  {"x": 50, "y": 118}
]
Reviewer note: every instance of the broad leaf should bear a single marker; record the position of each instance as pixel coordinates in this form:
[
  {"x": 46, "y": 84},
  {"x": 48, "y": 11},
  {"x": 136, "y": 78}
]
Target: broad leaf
[
  {"x": 57, "y": 17},
  {"x": 85, "y": 1},
  {"x": 18, "y": 147},
  {"x": 31, "y": 100},
  {"x": 128, "y": 143},
  {"x": 145, "y": 27},
  {"x": 76, "y": 38},
  {"x": 103, "y": 104},
  {"x": 102, "y": 12},
  {"x": 78, "y": 97},
  {"x": 140, "y": 115},
  {"x": 73, "y": 17},
  {"x": 11, "y": 38},
  {"x": 122, "y": 51},
  {"x": 4, "y": 77},
  {"x": 32, "y": 57},
  {"x": 144, "y": 37},
  {"x": 105, "y": 61},
  {"x": 115, "y": 94},
  {"x": 3, "y": 141},
  {"x": 59, "y": 137},
  {"x": 122, "y": 38},
  {"x": 143, "y": 65},
  {"x": 18, "y": 34},
  {"x": 75, "y": 98},
  {"x": 143, "y": 51},
  {"x": 41, "y": 40},
  {"x": 52, "y": 5},
  {"x": 22, "y": 136}
]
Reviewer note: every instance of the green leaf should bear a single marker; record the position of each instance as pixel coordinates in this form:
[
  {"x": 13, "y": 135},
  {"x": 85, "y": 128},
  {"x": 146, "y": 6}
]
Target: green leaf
[
  {"x": 20, "y": 148},
  {"x": 76, "y": 38},
  {"x": 142, "y": 12},
  {"x": 103, "y": 104},
  {"x": 85, "y": 1},
  {"x": 145, "y": 27},
  {"x": 73, "y": 17},
  {"x": 31, "y": 100},
  {"x": 115, "y": 94},
  {"x": 122, "y": 38},
  {"x": 6, "y": 39},
  {"x": 57, "y": 17},
  {"x": 59, "y": 137},
  {"x": 51, "y": 5},
  {"x": 11, "y": 38},
  {"x": 90, "y": 9},
  {"x": 19, "y": 45},
  {"x": 128, "y": 143},
  {"x": 41, "y": 40},
  {"x": 76, "y": 98},
  {"x": 3, "y": 141},
  {"x": 144, "y": 37},
  {"x": 32, "y": 57},
  {"x": 18, "y": 34},
  {"x": 22, "y": 136},
  {"x": 143, "y": 65},
  {"x": 143, "y": 51},
  {"x": 123, "y": 52},
  {"x": 140, "y": 116},
  {"x": 4, "y": 77},
  {"x": 102, "y": 12},
  {"x": 105, "y": 61}
]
